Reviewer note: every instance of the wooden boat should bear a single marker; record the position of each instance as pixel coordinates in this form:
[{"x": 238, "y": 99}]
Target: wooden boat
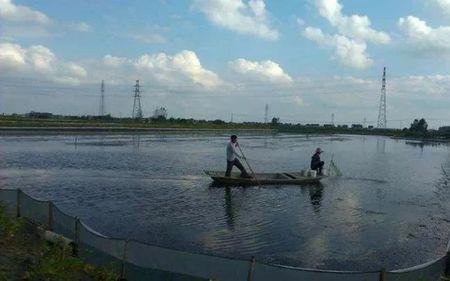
[{"x": 264, "y": 178}]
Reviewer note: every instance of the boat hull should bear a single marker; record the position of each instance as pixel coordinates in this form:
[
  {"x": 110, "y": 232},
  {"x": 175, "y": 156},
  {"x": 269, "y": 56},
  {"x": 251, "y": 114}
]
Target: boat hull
[{"x": 263, "y": 179}]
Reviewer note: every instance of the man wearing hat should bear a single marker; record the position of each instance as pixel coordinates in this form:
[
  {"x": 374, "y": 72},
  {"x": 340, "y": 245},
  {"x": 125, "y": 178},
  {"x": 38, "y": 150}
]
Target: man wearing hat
[{"x": 316, "y": 164}]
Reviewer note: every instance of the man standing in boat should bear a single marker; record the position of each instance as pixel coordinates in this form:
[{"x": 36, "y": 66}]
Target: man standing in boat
[
  {"x": 232, "y": 158},
  {"x": 316, "y": 164}
]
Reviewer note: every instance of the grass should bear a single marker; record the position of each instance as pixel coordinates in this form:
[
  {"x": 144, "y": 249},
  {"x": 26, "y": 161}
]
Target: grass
[{"x": 24, "y": 255}]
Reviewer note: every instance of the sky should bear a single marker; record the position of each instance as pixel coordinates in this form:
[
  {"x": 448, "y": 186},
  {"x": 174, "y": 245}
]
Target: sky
[{"x": 210, "y": 59}]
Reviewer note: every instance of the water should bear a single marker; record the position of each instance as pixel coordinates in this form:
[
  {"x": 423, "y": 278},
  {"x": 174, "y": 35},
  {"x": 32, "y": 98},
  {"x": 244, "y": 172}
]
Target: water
[{"x": 390, "y": 209}]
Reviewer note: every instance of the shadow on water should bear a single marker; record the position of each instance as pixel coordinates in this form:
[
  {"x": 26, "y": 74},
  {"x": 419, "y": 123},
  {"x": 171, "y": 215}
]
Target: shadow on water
[
  {"x": 316, "y": 196},
  {"x": 229, "y": 213}
]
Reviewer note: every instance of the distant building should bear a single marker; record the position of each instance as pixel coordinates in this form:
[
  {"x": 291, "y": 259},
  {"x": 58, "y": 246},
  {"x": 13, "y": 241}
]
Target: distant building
[
  {"x": 160, "y": 113},
  {"x": 357, "y": 126},
  {"x": 34, "y": 114}
]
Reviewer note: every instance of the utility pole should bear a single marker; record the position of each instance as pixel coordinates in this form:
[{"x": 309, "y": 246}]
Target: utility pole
[
  {"x": 266, "y": 114},
  {"x": 382, "y": 123},
  {"x": 101, "y": 109},
  {"x": 137, "y": 109}
]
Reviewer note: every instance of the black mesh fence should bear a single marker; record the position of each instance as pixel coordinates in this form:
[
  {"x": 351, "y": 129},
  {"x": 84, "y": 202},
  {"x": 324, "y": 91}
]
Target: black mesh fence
[{"x": 134, "y": 260}]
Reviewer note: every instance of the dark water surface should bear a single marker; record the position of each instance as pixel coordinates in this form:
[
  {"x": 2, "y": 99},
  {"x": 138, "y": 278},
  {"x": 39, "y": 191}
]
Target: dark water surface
[{"x": 390, "y": 209}]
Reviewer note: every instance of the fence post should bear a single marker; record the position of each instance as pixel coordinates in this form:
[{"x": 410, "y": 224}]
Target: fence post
[
  {"x": 124, "y": 258},
  {"x": 447, "y": 261},
  {"x": 383, "y": 274},
  {"x": 250, "y": 269},
  {"x": 77, "y": 236},
  {"x": 18, "y": 203},
  {"x": 50, "y": 215}
]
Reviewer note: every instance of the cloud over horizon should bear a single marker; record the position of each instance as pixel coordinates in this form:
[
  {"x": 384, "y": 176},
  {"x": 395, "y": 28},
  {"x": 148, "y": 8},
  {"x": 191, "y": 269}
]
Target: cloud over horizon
[
  {"x": 350, "y": 41},
  {"x": 261, "y": 71},
  {"x": 424, "y": 40}
]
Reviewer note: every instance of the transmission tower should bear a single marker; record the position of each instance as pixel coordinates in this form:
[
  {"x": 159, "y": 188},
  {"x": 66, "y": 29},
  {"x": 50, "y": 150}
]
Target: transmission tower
[
  {"x": 266, "y": 114},
  {"x": 382, "y": 109},
  {"x": 101, "y": 109},
  {"x": 332, "y": 119},
  {"x": 137, "y": 109}
]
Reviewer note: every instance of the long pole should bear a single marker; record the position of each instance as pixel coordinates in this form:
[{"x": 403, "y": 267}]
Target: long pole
[{"x": 250, "y": 167}]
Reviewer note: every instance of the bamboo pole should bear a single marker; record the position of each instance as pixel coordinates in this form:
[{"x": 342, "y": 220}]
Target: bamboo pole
[
  {"x": 124, "y": 258},
  {"x": 447, "y": 261},
  {"x": 18, "y": 203},
  {"x": 50, "y": 215},
  {"x": 77, "y": 236},
  {"x": 250, "y": 167}
]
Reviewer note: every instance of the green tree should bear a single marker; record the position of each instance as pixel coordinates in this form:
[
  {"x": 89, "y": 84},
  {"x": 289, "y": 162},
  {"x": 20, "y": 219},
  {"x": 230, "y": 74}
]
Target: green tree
[{"x": 419, "y": 126}]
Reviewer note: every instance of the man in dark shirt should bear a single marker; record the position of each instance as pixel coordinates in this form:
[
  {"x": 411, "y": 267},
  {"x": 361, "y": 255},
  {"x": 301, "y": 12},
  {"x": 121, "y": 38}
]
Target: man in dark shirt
[{"x": 316, "y": 164}]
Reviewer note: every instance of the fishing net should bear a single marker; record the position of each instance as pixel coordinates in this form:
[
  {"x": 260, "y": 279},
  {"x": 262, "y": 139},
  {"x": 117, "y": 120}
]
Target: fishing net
[{"x": 333, "y": 170}]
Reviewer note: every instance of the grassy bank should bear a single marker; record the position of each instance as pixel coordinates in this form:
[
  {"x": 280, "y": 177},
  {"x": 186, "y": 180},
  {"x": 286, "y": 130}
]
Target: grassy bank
[
  {"x": 126, "y": 124},
  {"x": 55, "y": 122},
  {"x": 24, "y": 255}
]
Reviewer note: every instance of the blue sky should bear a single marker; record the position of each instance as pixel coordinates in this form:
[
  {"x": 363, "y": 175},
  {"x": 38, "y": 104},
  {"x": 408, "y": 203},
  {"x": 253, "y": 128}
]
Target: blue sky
[{"x": 307, "y": 59}]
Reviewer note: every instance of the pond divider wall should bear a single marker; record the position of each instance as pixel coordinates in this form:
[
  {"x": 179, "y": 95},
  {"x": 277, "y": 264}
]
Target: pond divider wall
[{"x": 134, "y": 260}]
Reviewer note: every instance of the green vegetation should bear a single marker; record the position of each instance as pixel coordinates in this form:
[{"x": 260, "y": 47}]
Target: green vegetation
[
  {"x": 112, "y": 122},
  {"x": 24, "y": 255},
  {"x": 418, "y": 128}
]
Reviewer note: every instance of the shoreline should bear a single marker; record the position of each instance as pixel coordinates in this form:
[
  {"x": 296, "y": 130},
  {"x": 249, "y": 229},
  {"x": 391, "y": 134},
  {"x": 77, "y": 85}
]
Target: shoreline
[
  {"x": 113, "y": 130},
  {"x": 21, "y": 131}
]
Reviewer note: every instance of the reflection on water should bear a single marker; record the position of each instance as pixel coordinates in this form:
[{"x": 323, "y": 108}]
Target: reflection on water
[
  {"x": 389, "y": 209},
  {"x": 316, "y": 194},
  {"x": 136, "y": 141},
  {"x": 229, "y": 208},
  {"x": 381, "y": 145}
]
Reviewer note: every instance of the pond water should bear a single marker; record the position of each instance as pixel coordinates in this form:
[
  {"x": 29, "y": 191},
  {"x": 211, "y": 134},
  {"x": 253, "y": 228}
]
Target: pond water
[{"x": 390, "y": 208}]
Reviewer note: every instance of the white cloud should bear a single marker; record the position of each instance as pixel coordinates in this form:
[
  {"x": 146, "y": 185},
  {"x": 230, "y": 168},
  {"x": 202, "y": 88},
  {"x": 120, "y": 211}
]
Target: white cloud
[
  {"x": 298, "y": 101},
  {"x": 347, "y": 51},
  {"x": 20, "y": 14},
  {"x": 113, "y": 61},
  {"x": 263, "y": 70},
  {"x": 442, "y": 5},
  {"x": 353, "y": 33},
  {"x": 354, "y": 26},
  {"x": 12, "y": 56},
  {"x": 38, "y": 62},
  {"x": 149, "y": 38},
  {"x": 424, "y": 40},
  {"x": 80, "y": 27},
  {"x": 184, "y": 65},
  {"x": 235, "y": 15},
  {"x": 22, "y": 21}
]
